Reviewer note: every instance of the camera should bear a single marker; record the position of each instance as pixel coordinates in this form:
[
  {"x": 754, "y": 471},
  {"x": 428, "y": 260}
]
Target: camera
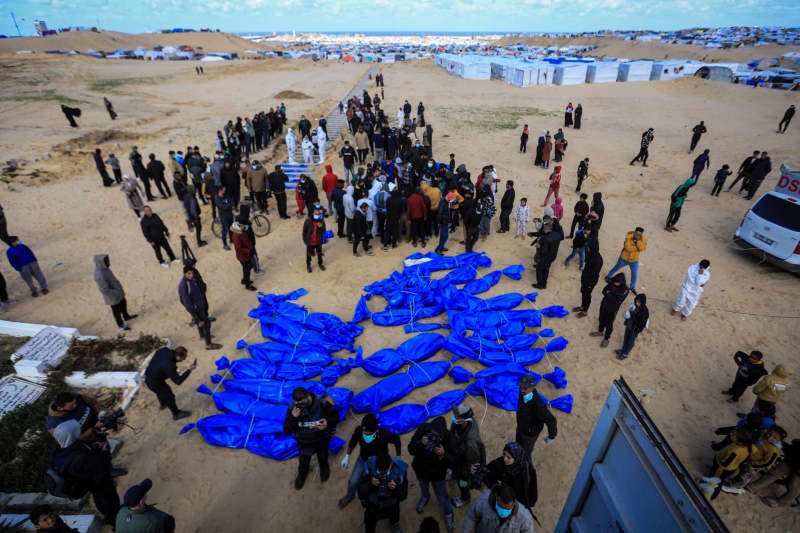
[
  {"x": 111, "y": 421},
  {"x": 434, "y": 441},
  {"x": 383, "y": 484},
  {"x": 477, "y": 478}
]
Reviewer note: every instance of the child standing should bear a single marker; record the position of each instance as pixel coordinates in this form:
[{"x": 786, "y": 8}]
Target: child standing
[
  {"x": 523, "y": 140},
  {"x": 579, "y": 246},
  {"x": 719, "y": 179},
  {"x": 522, "y": 214}
]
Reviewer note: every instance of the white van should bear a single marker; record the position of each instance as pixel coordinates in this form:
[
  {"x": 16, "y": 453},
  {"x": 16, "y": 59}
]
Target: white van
[{"x": 771, "y": 228}]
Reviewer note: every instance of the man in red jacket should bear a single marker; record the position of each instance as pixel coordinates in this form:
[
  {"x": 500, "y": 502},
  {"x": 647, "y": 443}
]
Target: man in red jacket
[
  {"x": 416, "y": 210},
  {"x": 329, "y": 181},
  {"x": 313, "y": 230},
  {"x": 244, "y": 253}
]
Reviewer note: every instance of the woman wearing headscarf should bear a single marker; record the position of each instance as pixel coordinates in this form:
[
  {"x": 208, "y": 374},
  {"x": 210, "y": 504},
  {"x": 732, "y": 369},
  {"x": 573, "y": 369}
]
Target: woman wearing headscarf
[
  {"x": 591, "y": 274},
  {"x": 578, "y": 115},
  {"x": 131, "y": 188},
  {"x": 555, "y": 185},
  {"x": 613, "y": 295},
  {"x": 427, "y": 140},
  {"x": 637, "y": 319},
  {"x": 514, "y": 469},
  {"x": 421, "y": 115},
  {"x": 568, "y": 116},
  {"x": 599, "y": 208},
  {"x": 558, "y": 209},
  {"x": 101, "y": 168},
  {"x": 546, "y": 150},
  {"x": 539, "y": 148}
]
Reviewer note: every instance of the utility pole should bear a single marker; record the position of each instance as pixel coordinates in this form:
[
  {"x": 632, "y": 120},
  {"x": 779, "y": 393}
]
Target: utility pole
[{"x": 15, "y": 24}]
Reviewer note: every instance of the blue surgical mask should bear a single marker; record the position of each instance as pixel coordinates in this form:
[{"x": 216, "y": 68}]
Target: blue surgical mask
[
  {"x": 502, "y": 512},
  {"x": 369, "y": 438},
  {"x": 455, "y": 420},
  {"x": 527, "y": 397},
  {"x": 318, "y": 217}
]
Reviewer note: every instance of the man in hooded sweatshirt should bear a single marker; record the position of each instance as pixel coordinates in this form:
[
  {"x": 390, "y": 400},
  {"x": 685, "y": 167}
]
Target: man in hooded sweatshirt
[
  {"x": 312, "y": 421},
  {"x": 244, "y": 253},
  {"x": 614, "y": 293},
  {"x": 349, "y": 204},
  {"x": 589, "y": 277},
  {"x": 111, "y": 289},
  {"x": 22, "y": 259},
  {"x": 635, "y": 243},
  {"x": 637, "y": 318},
  {"x": 416, "y": 211},
  {"x": 750, "y": 370},
  {"x": 329, "y": 181},
  {"x": 769, "y": 389},
  {"x": 313, "y": 230}
]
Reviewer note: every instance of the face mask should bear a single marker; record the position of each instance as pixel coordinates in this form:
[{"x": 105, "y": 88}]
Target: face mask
[
  {"x": 455, "y": 420},
  {"x": 430, "y": 165},
  {"x": 369, "y": 438},
  {"x": 318, "y": 217},
  {"x": 527, "y": 397},
  {"x": 501, "y": 512}
]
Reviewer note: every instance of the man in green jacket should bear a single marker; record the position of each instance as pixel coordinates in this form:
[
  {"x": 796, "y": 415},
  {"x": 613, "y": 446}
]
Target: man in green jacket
[
  {"x": 677, "y": 199},
  {"x": 135, "y": 516}
]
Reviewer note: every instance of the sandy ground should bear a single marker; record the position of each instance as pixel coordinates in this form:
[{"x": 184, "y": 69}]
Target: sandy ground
[{"x": 72, "y": 218}]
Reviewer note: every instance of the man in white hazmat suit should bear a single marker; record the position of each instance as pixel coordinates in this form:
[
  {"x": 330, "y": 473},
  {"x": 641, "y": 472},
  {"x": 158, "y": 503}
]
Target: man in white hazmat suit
[
  {"x": 308, "y": 151},
  {"x": 291, "y": 145},
  {"x": 400, "y": 117},
  {"x": 322, "y": 140},
  {"x": 697, "y": 276}
]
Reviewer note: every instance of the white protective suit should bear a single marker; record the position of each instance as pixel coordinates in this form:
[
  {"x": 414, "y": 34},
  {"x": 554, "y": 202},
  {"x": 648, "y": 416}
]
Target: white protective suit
[
  {"x": 691, "y": 289},
  {"x": 308, "y": 151},
  {"x": 400, "y": 117},
  {"x": 322, "y": 140},
  {"x": 377, "y": 185},
  {"x": 291, "y": 145}
]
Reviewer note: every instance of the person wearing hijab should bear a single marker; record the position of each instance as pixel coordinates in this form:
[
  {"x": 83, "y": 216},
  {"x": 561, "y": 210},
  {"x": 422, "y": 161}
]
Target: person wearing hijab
[
  {"x": 539, "y": 148},
  {"x": 427, "y": 140},
  {"x": 696, "y": 277},
  {"x": 637, "y": 319},
  {"x": 558, "y": 209},
  {"x": 514, "y": 469},
  {"x": 578, "y": 115},
  {"x": 101, "y": 168},
  {"x": 131, "y": 188},
  {"x": 421, "y": 115},
  {"x": 613, "y": 295},
  {"x": 590, "y": 275},
  {"x": 599, "y": 209},
  {"x": 546, "y": 151},
  {"x": 568, "y": 115},
  {"x": 555, "y": 184},
  {"x": 291, "y": 145}
]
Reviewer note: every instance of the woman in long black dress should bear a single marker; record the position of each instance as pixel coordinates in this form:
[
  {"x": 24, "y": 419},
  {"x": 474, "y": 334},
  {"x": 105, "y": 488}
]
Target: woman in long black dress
[
  {"x": 539, "y": 148},
  {"x": 578, "y": 115},
  {"x": 568, "y": 116}
]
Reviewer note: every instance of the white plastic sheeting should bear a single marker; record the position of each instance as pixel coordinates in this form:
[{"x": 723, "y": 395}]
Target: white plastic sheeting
[
  {"x": 674, "y": 69},
  {"x": 602, "y": 72},
  {"x": 570, "y": 73},
  {"x": 635, "y": 71}
]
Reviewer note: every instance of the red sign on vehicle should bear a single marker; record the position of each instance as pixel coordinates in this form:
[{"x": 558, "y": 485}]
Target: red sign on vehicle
[{"x": 789, "y": 182}]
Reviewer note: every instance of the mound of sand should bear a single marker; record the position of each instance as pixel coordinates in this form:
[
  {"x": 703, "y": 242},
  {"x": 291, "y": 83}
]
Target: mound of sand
[{"x": 292, "y": 95}]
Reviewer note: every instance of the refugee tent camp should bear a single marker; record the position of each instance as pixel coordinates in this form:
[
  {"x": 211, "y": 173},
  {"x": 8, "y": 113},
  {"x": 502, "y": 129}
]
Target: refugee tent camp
[
  {"x": 602, "y": 72},
  {"x": 570, "y": 72},
  {"x": 715, "y": 73},
  {"x": 635, "y": 71},
  {"x": 672, "y": 69}
]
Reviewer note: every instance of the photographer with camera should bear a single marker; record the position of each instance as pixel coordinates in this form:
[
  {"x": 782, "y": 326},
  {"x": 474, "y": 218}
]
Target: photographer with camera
[
  {"x": 136, "y": 516},
  {"x": 312, "y": 421},
  {"x": 164, "y": 366},
  {"x": 496, "y": 511},
  {"x": 470, "y": 454},
  {"x": 79, "y": 466},
  {"x": 433, "y": 455},
  {"x": 371, "y": 441},
  {"x": 382, "y": 487},
  {"x": 514, "y": 469},
  {"x": 532, "y": 416},
  {"x": 72, "y": 406}
]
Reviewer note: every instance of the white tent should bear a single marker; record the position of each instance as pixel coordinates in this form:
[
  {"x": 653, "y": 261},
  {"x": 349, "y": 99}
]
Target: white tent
[
  {"x": 674, "y": 69},
  {"x": 213, "y": 58},
  {"x": 546, "y": 74},
  {"x": 570, "y": 73},
  {"x": 635, "y": 71},
  {"x": 602, "y": 72}
]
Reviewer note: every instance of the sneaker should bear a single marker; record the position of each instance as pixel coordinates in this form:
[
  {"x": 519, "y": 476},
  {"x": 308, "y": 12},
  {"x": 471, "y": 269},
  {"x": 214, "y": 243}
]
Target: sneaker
[
  {"x": 213, "y": 346},
  {"x": 732, "y": 490},
  {"x": 10, "y": 301},
  {"x": 258, "y": 272},
  {"x": 125, "y": 328},
  {"x": 445, "y": 250},
  {"x": 308, "y": 268},
  {"x": 577, "y": 309},
  {"x": 385, "y": 248},
  {"x": 449, "y": 522},
  {"x": 458, "y": 502},
  {"x": 357, "y": 254},
  {"x": 604, "y": 343},
  {"x": 581, "y": 314},
  {"x": 299, "y": 481},
  {"x": 226, "y": 247},
  {"x": 35, "y": 294},
  {"x": 370, "y": 252},
  {"x": 181, "y": 414},
  {"x": 421, "y": 503},
  {"x": 131, "y": 317},
  {"x": 211, "y": 319},
  {"x": 596, "y": 334},
  {"x": 250, "y": 288},
  {"x": 201, "y": 244},
  {"x": 165, "y": 265},
  {"x": 176, "y": 260},
  {"x": 45, "y": 291},
  {"x": 322, "y": 267}
]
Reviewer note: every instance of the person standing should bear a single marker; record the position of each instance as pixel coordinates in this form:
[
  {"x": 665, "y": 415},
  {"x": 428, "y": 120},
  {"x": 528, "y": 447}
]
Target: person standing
[
  {"x": 277, "y": 186},
  {"x": 498, "y": 511},
  {"x": 112, "y": 291},
  {"x": 635, "y": 243},
  {"x": 514, "y": 469},
  {"x": 22, "y": 259},
  {"x": 697, "y": 132},
  {"x": 291, "y": 145},
  {"x": 522, "y": 214},
  {"x": 156, "y": 233},
  {"x": 744, "y": 172},
  {"x": 362, "y": 145},
  {"x": 245, "y": 250},
  {"x": 532, "y": 416},
  {"x": 761, "y": 168},
  {"x": 164, "y": 366},
  {"x": 131, "y": 188},
  {"x": 547, "y": 148},
  {"x": 322, "y": 142},
  {"x": 578, "y": 117},
  {"x": 192, "y": 294},
  {"x": 696, "y": 277},
  {"x": 787, "y": 118},
  {"x": 676, "y": 204},
  {"x": 307, "y": 148},
  {"x": 184, "y": 191},
  {"x": 312, "y": 421},
  {"x": 580, "y": 210},
  {"x": 547, "y": 246},
  {"x": 395, "y": 208},
  {"x": 155, "y": 170},
  {"x": 647, "y": 138},
  {"x": 136, "y": 516},
  {"x": 361, "y": 233},
  {"x": 224, "y": 205},
  {"x": 614, "y": 293},
  {"x": 257, "y": 184},
  {"x": 590, "y": 275},
  {"x": 113, "y": 162},
  {"x": 579, "y": 247},
  {"x": 140, "y": 171},
  {"x": 539, "y": 149},
  {"x": 329, "y": 181},
  {"x": 469, "y": 453},
  {"x": 348, "y": 155},
  {"x": 568, "y": 115},
  {"x": 701, "y": 163},
  {"x": 110, "y": 108},
  {"x": 337, "y": 200},
  {"x": 101, "y": 168},
  {"x": 506, "y": 206},
  {"x": 555, "y": 184},
  {"x": 371, "y": 441},
  {"x": 637, "y": 318},
  {"x": 523, "y": 140},
  {"x": 770, "y": 389},
  {"x": 432, "y": 449},
  {"x": 313, "y": 230},
  {"x": 719, "y": 179},
  {"x": 381, "y": 488},
  {"x": 583, "y": 173},
  {"x": 750, "y": 370},
  {"x": 416, "y": 211}
]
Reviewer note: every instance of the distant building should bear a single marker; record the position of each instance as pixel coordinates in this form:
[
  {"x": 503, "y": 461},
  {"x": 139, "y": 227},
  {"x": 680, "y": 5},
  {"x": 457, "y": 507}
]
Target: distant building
[{"x": 41, "y": 27}]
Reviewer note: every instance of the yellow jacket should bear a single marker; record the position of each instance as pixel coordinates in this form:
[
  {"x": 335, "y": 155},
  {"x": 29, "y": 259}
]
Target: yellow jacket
[
  {"x": 771, "y": 387},
  {"x": 765, "y": 454},
  {"x": 730, "y": 458},
  {"x": 630, "y": 250},
  {"x": 434, "y": 194}
]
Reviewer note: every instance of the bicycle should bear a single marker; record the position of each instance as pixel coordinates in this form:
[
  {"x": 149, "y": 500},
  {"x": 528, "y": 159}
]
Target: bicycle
[{"x": 260, "y": 223}]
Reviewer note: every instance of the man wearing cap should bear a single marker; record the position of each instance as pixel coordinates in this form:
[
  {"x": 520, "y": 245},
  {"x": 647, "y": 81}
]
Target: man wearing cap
[
  {"x": 532, "y": 416},
  {"x": 136, "y": 516},
  {"x": 163, "y": 366},
  {"x": 469, "y": 452}
]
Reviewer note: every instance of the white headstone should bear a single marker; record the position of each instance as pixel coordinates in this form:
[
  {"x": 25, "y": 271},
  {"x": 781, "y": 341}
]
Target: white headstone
[
  {"x": 15, "y": 392},
  {"x": 44, "y": 350}
]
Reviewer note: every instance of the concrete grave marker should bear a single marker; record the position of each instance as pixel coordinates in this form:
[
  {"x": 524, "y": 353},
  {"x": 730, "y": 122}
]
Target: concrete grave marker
[
  {"x": 44, "y": 350},
  {"x": 15, "y": 392}
]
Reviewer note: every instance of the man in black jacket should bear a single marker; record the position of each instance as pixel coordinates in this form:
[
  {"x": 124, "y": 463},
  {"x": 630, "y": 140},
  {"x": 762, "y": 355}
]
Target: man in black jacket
[
  {"x": 312, "y": 422},
  {"x": 506, "y": 206},
  {"x": 787, "y": 118},
  {"x": 348, "y": 155},
  {"x": 155, "y": 171},
  {"x": 277, "y": 186},
  {"x": 381, "y": 489},
  {"x": 761, "y": 168},
  {"x": 591, "y": 274},
  {"x": 471, "y": 218},
  {"x": 163, "y": 366},
  {"x": 361, "y": 231},
  {"x": 751, "y": 369},
  {"x": 395, "y": 207},
  {"x": 548, "y": 250},
  {"x": 157, "y": 234},
  {"x": 305, "y": 127},
  {"x": 371, "y": 441},
  {"x": 532, "y": 416},
  {"x": 337, "y": 199},
  {"x": 745, "y": 171},
  {"x": 433, "y": 450},
  {"x": 697, "y": 132}
]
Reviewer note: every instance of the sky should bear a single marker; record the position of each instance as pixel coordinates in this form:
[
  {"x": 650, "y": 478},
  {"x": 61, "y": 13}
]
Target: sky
[{"x": 136, "y": 16}]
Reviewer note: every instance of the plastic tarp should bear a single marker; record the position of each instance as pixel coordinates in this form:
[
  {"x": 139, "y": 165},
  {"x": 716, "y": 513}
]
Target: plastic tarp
[
  {"x": 570, "y": 74},
  {"x": 635, "y": 71},
  {"x": 602, "y": 72}
]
